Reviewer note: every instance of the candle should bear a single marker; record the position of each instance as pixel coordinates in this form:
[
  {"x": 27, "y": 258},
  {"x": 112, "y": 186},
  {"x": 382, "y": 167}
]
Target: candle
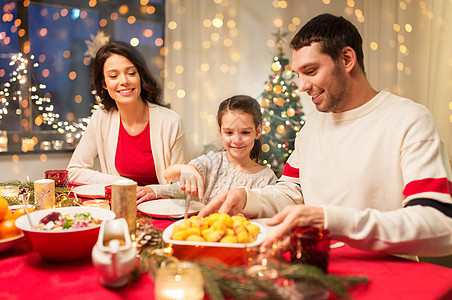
[
  {"x": 180, "y": 280},
  {"x": 3, "y": 141},
  {"x": 123, "y": 201},
  {"x": 97, "y": 203},
  {"x": 41, "y": 188}
]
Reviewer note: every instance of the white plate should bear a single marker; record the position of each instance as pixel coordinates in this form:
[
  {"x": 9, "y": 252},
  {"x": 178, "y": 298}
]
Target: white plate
[
  {"x": 262, "y": 221},
  {"x": 168, "y": 232},
  {"x": 169, "y": 208},
  {"x": 91, "y": 190}
]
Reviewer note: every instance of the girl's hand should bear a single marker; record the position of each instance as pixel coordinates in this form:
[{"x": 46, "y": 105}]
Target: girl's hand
[
  {"x": 191, "y": 181},
  {"x": 145, "y": 193}
]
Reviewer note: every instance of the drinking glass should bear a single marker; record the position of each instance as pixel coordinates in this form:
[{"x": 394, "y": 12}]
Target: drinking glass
[{"x": 311, "y": 246}]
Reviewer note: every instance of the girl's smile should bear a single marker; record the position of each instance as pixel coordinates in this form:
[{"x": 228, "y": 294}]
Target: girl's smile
[{"x": 238, "y": 133}]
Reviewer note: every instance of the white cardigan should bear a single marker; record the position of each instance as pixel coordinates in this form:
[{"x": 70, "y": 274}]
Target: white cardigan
[{"x": 101, "y": 139}]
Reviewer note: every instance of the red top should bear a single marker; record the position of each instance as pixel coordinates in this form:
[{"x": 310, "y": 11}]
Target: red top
[{"x": 134, "y": 158}]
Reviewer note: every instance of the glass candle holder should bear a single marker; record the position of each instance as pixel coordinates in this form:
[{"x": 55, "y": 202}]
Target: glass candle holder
[
  {"x": 59, "y": 176},
  {"x": 10, "y": 191},
  {"x": 179, "y": 280},
  {"x": 97, "y": 203},
  {"x": 108, "y": 193},
  {"x": 260, "y": 262},
  {"x": 311, "y": 246}
]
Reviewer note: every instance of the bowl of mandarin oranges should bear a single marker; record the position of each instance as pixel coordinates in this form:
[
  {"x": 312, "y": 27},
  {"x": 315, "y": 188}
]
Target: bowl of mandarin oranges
[{"x": 10, "y": 235}]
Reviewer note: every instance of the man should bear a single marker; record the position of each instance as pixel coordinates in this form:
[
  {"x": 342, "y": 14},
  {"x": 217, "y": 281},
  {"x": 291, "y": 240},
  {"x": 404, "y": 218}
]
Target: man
[{"x": 368, "y": 166}]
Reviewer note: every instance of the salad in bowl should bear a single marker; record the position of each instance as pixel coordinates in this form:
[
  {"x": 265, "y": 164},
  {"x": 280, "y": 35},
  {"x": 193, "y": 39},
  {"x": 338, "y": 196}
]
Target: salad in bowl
[{"x": 64, "y": 233}]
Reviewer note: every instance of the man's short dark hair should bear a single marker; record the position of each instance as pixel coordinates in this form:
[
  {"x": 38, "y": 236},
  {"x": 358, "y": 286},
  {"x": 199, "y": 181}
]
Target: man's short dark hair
[{"x": 333, "y": 33}]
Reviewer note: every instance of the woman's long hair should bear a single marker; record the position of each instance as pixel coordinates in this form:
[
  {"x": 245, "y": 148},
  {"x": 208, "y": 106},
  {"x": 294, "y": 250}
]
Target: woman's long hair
[{"x": 150, "y": 89}]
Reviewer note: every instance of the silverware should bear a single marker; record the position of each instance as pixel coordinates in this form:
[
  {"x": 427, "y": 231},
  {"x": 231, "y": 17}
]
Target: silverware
[
  {"x": 24, "y": 201},
  {"x": 42, "y": 197},
  {"x": 187, "y": 205}
]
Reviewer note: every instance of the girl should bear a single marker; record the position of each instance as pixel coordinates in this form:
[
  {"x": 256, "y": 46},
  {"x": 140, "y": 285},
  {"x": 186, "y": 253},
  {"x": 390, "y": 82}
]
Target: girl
[
  {"x": 239, "y": 124},
  {"x": 134, "y": 135}
]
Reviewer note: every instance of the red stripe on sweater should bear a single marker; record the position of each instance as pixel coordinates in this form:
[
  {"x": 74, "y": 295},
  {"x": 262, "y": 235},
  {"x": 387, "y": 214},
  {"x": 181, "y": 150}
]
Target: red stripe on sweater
[
  {"x": 437, "y": 185},
  {"x": 291, "y": 171}
]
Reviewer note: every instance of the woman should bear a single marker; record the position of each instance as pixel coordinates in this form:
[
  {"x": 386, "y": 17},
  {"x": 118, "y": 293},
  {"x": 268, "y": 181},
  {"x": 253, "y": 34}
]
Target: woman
[{"x": 134, "y": 135}]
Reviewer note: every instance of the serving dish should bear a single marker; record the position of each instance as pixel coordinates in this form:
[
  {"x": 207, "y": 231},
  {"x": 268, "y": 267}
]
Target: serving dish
[
  {"x": 70, "y": 244},
  {"x": 8, "y": 243},
  {"x": 232, "y": 254}
]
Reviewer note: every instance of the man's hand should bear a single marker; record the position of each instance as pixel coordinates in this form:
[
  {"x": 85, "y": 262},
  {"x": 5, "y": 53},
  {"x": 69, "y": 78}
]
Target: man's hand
[
  {"x": 145, "y": 193},
  {"x": 293, "y": 216},
  {"x": 231, "y": 202}
]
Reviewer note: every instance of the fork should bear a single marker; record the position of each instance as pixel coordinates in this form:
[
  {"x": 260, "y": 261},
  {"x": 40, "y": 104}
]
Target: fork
[{"x": 187, "y": 205}]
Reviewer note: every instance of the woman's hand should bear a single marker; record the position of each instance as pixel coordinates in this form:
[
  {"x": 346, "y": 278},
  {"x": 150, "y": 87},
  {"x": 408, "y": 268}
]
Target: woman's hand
[{"x": 145, "y": 193}]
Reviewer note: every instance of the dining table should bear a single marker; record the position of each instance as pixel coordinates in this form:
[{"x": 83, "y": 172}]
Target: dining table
[{"x": 24, "y": 275}]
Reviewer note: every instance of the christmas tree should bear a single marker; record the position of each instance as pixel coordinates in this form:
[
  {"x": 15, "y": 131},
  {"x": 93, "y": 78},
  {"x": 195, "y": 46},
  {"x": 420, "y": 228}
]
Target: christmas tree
[{"x": 282, "y": 112}]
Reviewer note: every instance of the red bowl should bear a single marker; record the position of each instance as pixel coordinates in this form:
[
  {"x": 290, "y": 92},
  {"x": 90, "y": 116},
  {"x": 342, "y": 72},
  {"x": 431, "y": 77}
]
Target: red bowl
[{"x": 71, "y": 244}]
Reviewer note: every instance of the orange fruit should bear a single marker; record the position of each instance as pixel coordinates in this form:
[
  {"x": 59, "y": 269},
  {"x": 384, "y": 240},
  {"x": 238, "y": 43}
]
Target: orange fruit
[
  {"x": 4, "y": 208},
  {"x": 21, "y": 211},
  {"x": 8, "y": 229},
  {"x": 9, "y": 214}
]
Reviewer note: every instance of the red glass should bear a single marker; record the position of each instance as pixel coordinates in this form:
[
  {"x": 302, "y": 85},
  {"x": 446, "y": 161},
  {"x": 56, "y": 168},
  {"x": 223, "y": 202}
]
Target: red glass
[
  {"x": 59, "y": 176},
  {"x": 311, "y": 246},
  {"x": 108, "y": 193}
]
